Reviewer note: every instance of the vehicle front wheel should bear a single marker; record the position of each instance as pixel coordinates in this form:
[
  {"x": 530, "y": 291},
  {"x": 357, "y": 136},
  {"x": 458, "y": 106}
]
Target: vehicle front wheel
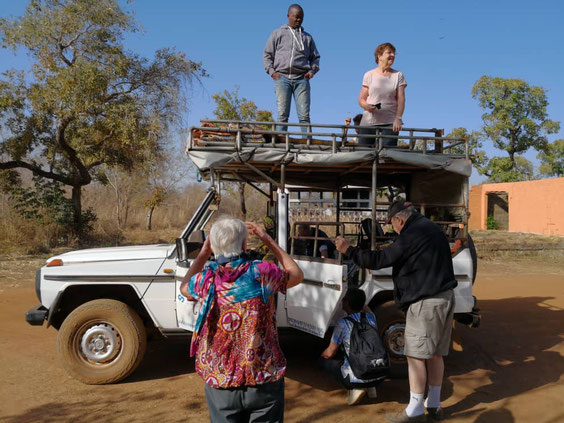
[
  {"x": 391, "y": 326},
  {"x": 102, "y": 341}
]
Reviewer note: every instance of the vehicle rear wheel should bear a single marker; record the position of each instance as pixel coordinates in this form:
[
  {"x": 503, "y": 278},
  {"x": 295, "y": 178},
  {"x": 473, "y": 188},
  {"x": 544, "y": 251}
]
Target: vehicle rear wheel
[
  {"x": 391, "y": 326},
  {"x": 102, "y": 341},
  {"x": 474, "y": 256}
]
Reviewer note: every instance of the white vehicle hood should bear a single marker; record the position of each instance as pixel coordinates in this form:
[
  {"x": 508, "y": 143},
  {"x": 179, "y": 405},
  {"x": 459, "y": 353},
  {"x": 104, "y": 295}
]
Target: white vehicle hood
[{"x": 137, "y": 252}]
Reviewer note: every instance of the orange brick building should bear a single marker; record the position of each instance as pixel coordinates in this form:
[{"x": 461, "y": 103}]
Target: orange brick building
[{"x": 528, "y": 206}]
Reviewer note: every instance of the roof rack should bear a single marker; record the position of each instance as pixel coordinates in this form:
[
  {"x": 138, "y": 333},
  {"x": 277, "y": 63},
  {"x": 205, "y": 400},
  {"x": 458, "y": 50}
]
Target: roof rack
[{"x": 233, "y": 135}]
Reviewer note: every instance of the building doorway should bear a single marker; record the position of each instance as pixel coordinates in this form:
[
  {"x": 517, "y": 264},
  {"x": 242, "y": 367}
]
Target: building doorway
[{"x": 498, "y": 211}]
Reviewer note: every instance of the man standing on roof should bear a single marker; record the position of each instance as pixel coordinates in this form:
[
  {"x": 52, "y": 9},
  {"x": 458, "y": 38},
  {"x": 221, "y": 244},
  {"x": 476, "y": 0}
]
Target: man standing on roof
[
  {"x": 424, "y": 280},
  {"x": 291, "y": 59}
]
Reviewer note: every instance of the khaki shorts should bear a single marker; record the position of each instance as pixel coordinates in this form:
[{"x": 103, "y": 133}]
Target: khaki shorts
[{"x": 428, "y": 324}]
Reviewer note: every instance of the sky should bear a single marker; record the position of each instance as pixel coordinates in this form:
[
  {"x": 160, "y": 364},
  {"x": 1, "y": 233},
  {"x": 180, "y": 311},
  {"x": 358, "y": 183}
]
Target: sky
[{"x": 442, "y": 47}]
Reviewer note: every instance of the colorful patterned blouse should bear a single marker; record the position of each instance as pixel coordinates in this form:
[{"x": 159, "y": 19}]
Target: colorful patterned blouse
[{"x": 235, "y": 340}]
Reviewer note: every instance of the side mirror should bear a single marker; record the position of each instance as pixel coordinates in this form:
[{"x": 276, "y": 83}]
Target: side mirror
[
  {"x": 187, "y": 249},
  {"x": 181, "y": 249},
  {"x": 193, "y": 249}
]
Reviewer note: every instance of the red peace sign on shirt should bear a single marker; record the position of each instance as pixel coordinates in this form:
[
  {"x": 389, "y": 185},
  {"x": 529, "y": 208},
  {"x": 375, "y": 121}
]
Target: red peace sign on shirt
[{"x": 231, "y": 321}]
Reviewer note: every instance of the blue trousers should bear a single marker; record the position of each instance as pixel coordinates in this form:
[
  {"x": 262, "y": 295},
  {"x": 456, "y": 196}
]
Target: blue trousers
[
  {"x": 298, "y": 88},
  {"x": 378, "y": 130}
]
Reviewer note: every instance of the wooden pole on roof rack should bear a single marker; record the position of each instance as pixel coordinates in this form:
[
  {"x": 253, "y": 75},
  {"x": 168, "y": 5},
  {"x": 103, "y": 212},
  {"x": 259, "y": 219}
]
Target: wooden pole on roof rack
[
  {"x": 439, "y": 143},
  {"x": 374, "y": 203}
]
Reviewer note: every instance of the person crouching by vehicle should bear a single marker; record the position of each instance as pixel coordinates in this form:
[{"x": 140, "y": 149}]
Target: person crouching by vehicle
[
  {"x": 341, "y": 370},
  {"x": 235, "y": 339}
]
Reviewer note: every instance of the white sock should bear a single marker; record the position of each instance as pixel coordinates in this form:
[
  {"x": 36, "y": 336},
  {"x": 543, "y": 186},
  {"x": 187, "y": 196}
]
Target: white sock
[
  {"x": 433, "y": 397},
  {"x": 415, "y": 406}
]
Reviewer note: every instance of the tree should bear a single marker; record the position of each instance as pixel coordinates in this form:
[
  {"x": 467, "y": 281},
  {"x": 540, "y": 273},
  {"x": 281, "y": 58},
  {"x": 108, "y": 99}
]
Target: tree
[
  {"x": 503, "y": 170},
  {"x": 162, "y": 174},
  {"x": 515, "y": 120},
  {"x": 552, "y": 160},
  {"x": 477, "y": 155},
  {"x": 86, "y": 101},
  {"x": 230, "y": 107}
]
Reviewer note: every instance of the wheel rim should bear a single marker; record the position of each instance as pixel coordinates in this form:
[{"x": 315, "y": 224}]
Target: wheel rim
[
  {"x": 394, "y": 338},
  {"x": 100, "y": 343}
]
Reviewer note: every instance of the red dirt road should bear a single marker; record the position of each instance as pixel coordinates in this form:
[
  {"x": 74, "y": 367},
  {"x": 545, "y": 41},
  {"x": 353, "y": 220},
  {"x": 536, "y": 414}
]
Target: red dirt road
[{"x": 509, "y": 370}]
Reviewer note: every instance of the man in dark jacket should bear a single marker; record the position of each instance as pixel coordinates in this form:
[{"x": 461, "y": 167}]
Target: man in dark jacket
[
  {"x": 291, "y": 59},
  {"x": 423, "y": 288}
]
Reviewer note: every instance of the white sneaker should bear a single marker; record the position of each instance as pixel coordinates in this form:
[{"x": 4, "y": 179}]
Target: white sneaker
[
  {"x": 372, "y": 392},
  {"x": 355, "y": 396}
]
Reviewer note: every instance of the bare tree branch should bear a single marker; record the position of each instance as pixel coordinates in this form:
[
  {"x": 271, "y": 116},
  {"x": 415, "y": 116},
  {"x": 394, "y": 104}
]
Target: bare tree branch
[{"x": 14, "y": 164}]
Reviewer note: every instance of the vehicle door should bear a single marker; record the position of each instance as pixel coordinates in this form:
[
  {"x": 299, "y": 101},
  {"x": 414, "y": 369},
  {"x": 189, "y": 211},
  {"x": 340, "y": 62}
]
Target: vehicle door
[{"x": 315, "y": 304}]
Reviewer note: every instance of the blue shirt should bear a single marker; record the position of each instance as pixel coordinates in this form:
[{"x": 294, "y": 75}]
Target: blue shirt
[{"x": 342, "y": 337}]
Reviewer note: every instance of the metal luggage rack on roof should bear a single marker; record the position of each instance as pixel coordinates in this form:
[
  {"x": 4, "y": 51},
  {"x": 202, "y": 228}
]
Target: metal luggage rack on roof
[{"x": 233, "y": 135}]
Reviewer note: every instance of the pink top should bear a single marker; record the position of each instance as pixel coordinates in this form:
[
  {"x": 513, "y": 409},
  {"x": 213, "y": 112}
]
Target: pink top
[
  {"x": 382, "y": 89},
  {"x": 238, "y": 343}
]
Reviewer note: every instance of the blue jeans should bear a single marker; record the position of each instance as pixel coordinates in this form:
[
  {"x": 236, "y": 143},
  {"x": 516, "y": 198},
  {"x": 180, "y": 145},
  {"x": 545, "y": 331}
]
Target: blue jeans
[
  {"x": 378, "y": 130},
  {"x": 286, "y": 88}
]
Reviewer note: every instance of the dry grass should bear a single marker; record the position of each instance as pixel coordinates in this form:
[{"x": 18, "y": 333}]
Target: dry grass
[
  {"x": 23, "y": 238},
  {"x": 492, "y": 245}
]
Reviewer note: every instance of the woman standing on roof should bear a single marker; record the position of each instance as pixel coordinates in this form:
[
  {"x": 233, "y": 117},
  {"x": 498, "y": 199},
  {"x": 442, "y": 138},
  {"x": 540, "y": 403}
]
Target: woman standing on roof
[{"x": 382, "y": 97}]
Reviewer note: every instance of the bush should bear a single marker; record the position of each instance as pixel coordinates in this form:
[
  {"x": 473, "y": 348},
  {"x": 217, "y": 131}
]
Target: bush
[{"x": 491, "y": 223}]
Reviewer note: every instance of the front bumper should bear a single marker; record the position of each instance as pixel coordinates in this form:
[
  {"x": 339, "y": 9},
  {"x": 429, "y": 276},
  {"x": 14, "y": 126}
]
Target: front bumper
[{"x": 36, "y": 316}]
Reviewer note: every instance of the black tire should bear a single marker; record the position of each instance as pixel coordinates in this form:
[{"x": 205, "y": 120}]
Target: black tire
[
  {"x": 474, "y": 255},
  {"x": 101, "y": 342},
  {"x": 391, "y": 326}
]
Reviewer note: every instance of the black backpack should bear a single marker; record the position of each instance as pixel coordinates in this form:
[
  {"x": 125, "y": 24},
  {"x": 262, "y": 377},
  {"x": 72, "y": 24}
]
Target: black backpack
[{"x": 367, "y": 356}]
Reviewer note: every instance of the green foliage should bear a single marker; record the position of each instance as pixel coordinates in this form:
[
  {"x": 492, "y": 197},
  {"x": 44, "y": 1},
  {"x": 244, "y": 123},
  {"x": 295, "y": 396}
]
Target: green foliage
[
  {"x": 552, "y": 160},
  {"x": 45, "y": 203},
  {"x": 87, "y": 100},
  {"x": 477, "y": 155},
  {"x": 515, "y": 120},
  {"x": 491, "y": 223},
  {"x": 264, "y": 116},
  {"x": 502, "y": 169},
  {"x": 229, "y": 106}
]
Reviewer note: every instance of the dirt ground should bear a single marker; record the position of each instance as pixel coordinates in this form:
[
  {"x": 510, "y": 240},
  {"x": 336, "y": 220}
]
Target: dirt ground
[{"x": 510, "y": 369}]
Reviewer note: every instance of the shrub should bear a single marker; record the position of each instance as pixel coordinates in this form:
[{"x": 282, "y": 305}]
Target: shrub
[{"x": 491, "y": 223}]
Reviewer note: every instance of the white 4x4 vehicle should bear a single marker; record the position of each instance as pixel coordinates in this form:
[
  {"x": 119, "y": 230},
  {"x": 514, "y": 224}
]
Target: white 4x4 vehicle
[{"x": 104, "y": 300}]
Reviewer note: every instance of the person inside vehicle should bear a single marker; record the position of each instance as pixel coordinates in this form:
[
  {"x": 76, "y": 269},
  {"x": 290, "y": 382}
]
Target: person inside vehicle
[
  {"x": 325, "y": 248},
  {"x": 340, "y": 370}
]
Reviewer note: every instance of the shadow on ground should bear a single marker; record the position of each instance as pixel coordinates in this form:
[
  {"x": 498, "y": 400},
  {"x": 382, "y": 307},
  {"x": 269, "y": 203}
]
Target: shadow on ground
[
  {"x": 512, "y": 347},
  {"x": 163, "y": 359}
]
